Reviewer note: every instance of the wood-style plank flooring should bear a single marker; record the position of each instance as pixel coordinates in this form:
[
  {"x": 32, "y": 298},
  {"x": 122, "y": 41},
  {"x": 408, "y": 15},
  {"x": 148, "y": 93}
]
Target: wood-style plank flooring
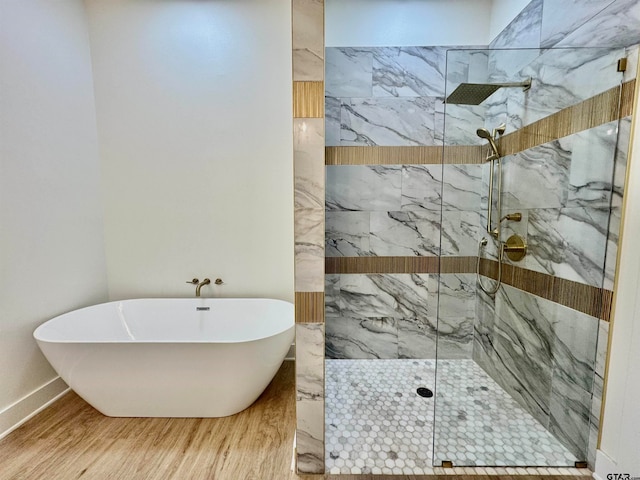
[{"x": 71, "y": 440}]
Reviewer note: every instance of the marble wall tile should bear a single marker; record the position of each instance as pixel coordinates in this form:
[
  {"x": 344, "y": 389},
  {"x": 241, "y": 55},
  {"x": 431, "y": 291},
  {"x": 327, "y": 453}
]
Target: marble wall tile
[
  {"x": 309, "y": 250},
  {"x": 560, "y": 19},
  {"x": 524, "y": 30},
  {"x": 537, "y": 177},
  {"x": 408, "y": 71},
  {"x": 308, "y": 40},
  {"x": 310, "y": 397},
  {"x": 465, "y": 64},
  {"x": 456, "y": 312},
  {"x": 347, "y": 233},
  {"x": 594, "y": 423},
  {"x": 381, "y": 316},
  {"x": 601, "y": 351},
  {"x": 617, "y": 25},
  {"x": 523, "y": 350},
  {"x": 619, "y": 176},
  {"x": 483, "y": 331},
  {"x": 332, "y": 294},
  {"x": 394, "y": 315},
  {"x": 402, "y": 121},
  {"x": 457, "y": 124},
  {"x": 310, "y": 436},
  {"x": 569, "y": 417},
  {"x": 363, "y": 217},
  {"x": 332, "y": 107},
  {"x": 362, "y": 295},
  {"x": 416, "y": 339},
  {"x": 574, "y": 346},
  {"x": 461, "y": 187},
  {"x": 363, "y": 187},
  {"x": 497, "y": 111},
  {"x": 504, "y": 107},
  {"x": 631, "y": 53},
  {"x": 308, "y": 160},
  {"x": 569, "y": 243},
  {"x": 460, "y": 232},
  {"x": 310, "y": 361},
  {"x": 405, "y": 233},
  {"x": 349, "y": 336},
  {"x": 543, "y": 354},
  {"x": 505, "y": 65},
  {"x": 478, "y": 66},
  {"x": 598, "y": 385},
  {"x": 592, "y": 166},
  {"x": 422, "y": 187},
  {"x": 620, "y": 167},
  {"x": 561, "y": 78},
  {"x": 611, "y": 256},
  {"x": 349, "y": 72}
]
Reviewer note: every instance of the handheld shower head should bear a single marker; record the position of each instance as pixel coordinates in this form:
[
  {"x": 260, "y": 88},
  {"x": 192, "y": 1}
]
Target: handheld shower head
[{"x": 484, "y": 133}]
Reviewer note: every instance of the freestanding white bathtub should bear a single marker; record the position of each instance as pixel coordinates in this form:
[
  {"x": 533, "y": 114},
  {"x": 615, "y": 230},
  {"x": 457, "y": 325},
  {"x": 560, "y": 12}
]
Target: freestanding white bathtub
[{"x": 170, "y": 357}]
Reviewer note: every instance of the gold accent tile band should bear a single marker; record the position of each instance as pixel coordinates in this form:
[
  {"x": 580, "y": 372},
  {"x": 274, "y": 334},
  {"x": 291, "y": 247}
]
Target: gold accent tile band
[
  {"x": 308, "y": 99},
  {"x": 594, "y": 111},
  {"x": 472, "y": 154},
  {"x": 578, "y": 296},
  {"x": 309, "y": 307},
  {"x": 381, "y": 265},
  {"x": 400, "y": 264},
  {"x": 628, "y": 91}
]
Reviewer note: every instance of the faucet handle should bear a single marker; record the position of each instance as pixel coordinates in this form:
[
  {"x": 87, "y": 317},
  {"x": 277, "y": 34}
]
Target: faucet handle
[
  {"x": 195, "y": 281},
  {"x": 218, "y": 281}
]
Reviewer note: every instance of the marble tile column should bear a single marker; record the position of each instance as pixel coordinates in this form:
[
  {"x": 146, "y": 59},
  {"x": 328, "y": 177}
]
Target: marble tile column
[{"x": 309, "y": 172}]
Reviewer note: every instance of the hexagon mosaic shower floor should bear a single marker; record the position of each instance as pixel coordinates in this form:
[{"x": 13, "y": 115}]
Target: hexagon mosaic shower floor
[{"x": 377, "y": 423}]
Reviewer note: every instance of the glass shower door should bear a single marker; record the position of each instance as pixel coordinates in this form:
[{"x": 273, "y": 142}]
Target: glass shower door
[{"x": 529, "y": 223}]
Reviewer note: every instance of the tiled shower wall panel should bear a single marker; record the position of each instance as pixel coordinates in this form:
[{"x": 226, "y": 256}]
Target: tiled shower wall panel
[
  {"x": 542, "y": 354},
  {"x": 308, "y": 150},
  {"x": 395, "y": 316},
  {"x": 394, "y": 96},
  {"x": 395, "y": 210}
]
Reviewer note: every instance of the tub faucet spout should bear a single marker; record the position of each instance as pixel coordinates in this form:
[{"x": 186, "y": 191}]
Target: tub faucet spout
[{"x": 206, "y": 281}]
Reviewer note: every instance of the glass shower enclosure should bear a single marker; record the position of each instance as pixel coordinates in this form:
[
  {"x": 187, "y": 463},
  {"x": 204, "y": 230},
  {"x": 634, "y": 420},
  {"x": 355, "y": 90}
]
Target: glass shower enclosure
[
  {"x": 470, "y": 244},
  {"x": 530, "y": 140}
]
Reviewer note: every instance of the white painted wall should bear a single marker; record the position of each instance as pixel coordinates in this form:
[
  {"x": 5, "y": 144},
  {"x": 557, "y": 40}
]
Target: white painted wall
[
  {"x": 502, "y": 14},
  {"x": 194, "y": 117},
  {"x": 51, "y": 246},
  {"x": 620, "y": 447},
  {"x": 379, "y": 23}
]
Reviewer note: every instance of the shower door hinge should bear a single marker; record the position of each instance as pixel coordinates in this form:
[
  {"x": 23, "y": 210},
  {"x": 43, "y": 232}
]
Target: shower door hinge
[
  {"x": 447, "y": 464},
  {"x": 622, "y": 65},
  {"x": 581, "y": 465}
]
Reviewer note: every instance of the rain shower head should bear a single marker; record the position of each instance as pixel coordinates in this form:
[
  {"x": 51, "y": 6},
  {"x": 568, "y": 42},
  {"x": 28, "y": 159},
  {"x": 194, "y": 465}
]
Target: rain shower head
[{"x": 476, "y": 93}]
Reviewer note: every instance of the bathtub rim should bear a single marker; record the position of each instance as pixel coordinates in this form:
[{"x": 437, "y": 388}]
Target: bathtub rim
[{"x": 37, "y": 333}]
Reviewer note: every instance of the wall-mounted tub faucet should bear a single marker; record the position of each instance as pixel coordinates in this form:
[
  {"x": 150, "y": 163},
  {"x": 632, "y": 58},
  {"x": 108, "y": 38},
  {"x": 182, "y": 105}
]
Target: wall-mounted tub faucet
[{"x": 204, "y": 282}]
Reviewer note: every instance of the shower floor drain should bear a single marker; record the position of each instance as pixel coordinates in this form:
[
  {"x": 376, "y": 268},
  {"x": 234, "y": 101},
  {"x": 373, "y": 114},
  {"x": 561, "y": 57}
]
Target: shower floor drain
[{"x": 425, "y": 392}]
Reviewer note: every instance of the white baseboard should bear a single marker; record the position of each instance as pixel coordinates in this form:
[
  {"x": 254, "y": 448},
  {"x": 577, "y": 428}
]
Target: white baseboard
[
  {"x": 604, "y": 466},
  {"x": 19, "y": 412}
]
